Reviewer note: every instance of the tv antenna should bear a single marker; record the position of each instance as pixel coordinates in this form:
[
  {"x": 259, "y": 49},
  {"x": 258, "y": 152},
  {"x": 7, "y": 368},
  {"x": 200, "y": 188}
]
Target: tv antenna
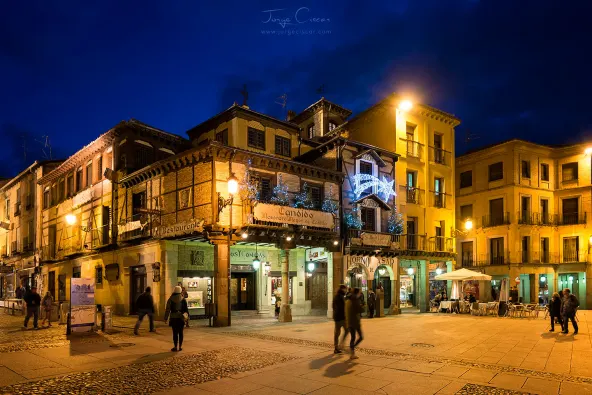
[
  {"x": 470, "y": 137},
  {"x": 46, "y": 147},
  {"x": 282, "y": 100},
  {"x": 245, "y": 94}
]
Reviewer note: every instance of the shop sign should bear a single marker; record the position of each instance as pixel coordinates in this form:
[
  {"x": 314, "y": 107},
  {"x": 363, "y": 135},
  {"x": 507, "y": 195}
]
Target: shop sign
[
  {"x": 315, "y": 254},
  {"x": 82, "y": 308},
  {"x": 179, "y": 229},
  {"x": 293, "y": 216},
  {"x": 129, "y": 227},
  {"x": 196, "y": 258},
  {"x": 376, "y": 239},
  {"x": 82, "y": 197},
  {"x": 246, "y": 255}
]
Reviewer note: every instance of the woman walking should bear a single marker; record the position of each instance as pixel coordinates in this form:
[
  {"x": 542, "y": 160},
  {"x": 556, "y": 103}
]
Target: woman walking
[
  {"x": 555, "y": 311},
  {"x": 47, "y": 304},
  {"x": 176, "y": 309}
]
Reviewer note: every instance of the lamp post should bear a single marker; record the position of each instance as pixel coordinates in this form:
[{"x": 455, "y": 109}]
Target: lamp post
[{"x": 222, "y": 203}]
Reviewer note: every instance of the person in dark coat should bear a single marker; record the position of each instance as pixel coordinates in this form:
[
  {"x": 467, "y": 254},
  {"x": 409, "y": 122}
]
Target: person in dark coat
[
  {"x": 514, "y": 295},
  {"x": 569, "y": 307},
  {"x": 339, "y": 319},
  {"x": 472, "y": 298},
  {"x": 145, "y": 306},
  {"x": 371, "y": 303},
  {"x": 177, "y": 310},
  {"x": 555, "y": 311},
  {"x": 353, "y": 309},
  {"x": 33, "y": 301}
]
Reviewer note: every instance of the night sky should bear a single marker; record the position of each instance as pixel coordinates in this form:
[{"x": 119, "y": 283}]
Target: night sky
[{"x": 70, "y": 70}]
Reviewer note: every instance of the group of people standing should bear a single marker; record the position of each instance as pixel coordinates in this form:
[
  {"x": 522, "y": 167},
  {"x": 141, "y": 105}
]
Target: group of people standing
[
  {"x": 564, "y": 309},
  {"x": 176, "y": 313}
]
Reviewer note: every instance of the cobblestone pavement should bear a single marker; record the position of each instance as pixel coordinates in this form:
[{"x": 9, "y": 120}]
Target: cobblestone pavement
[{"x": 417, "y": 354}]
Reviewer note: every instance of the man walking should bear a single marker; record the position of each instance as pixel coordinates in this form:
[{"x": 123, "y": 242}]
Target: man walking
[
  {"x": 339, "y": 318},
  {"x": 371, "y": 303},
  {"x": 145, "y": 306},
  {"x": 33, "y": 301},
  {"x": 353, "y": 309},
  {"x": 569, "y": 307}
]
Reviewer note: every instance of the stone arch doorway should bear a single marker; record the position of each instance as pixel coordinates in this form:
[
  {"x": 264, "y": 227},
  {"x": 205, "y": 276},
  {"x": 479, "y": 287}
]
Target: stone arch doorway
[{"x": 385, "y": 275}]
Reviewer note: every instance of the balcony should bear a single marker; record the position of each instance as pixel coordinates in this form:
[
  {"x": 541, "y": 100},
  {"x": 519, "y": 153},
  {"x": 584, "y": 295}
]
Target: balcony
[
  {"x": 414, "y": 149},
  {"x": 28, "y": 202},
  {"x": 572, "y": 219},
  {"x": 134, "y": 227},
  {"x": 527, "y": 218},
  {"x": 14, "y": 248},
  {"x": 48, "y": 252},
  {"x": 17, "y": 209},
  {"x": 27, "y": 245},
  {"x": 413, "y": 195},
  {"x": 541, "y": 257},
  {"x": 441, "y": 244},
  {"x": 3, "y": 252},
  {"x": 468, "y": 259},
  {"x": 490, "y": 260},
  {"x": 440, "y": 156},
  {"x": 573, "y": 256},
  {"x": 412, "y": 242},
  {"x": 438, "y": 199},
  {"x": 498, "y": 219}
]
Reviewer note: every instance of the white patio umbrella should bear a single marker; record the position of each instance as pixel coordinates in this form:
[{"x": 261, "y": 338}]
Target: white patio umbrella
[
  {"x": 462, "y": 275},
  {"x": 455, "y": 294}
]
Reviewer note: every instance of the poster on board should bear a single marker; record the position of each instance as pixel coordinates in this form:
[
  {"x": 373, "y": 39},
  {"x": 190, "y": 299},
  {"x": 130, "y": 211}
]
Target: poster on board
[{"x": 82, "y": 304}]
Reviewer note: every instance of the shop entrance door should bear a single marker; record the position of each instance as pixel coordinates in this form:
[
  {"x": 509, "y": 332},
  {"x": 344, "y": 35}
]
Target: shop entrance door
[
  {"x": 138, "y": 285},
  {"x": 317, "y": 290},
  {"x": 242, "y": 291}
]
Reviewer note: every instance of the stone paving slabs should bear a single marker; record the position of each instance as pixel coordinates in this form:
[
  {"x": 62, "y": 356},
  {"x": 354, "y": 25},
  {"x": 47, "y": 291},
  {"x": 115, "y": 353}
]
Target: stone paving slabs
[{"x": 476, "y": 389}]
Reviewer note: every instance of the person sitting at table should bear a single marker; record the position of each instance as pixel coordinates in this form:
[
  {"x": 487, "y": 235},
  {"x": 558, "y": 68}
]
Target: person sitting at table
[
  {"x": 443, "y": 294},
  {"x": 437, "y": 299},
  {"x": 472, "y": 298}
]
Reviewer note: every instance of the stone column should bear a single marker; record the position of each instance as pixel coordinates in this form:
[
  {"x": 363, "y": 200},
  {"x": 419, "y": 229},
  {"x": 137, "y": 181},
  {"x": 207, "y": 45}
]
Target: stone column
[
  {"x": 221, "y": 282},
  {"x": 588, "y": 286},
  {"x": 423, "y": 271},
  {"x": 338, "y": 276},
  {"x": 285, "y": 311},
  {"x": 534, "y": 288}
]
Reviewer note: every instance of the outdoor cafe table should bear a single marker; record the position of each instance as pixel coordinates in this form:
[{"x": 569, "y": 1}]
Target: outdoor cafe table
[
  {"x": 451, "y": 305},
  {"x": 482, "y": 308}
]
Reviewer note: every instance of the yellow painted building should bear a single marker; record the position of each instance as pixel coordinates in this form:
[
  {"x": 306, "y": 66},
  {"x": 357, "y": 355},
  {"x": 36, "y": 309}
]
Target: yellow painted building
[{"x": 529, "y": 206}]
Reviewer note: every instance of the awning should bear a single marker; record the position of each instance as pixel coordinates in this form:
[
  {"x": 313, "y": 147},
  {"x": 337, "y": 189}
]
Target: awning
[{"x": 463, "y": 274}]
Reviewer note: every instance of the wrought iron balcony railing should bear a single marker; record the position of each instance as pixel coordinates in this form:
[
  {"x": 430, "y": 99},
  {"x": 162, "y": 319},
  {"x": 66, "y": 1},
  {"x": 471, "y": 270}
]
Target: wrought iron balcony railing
[
  {"x": 439, "y": 155},
  {"x": 413, "y": 195},
  {"x": 441, "y": 244},
  {"x": 572, "y": 219},
  {"x": 412, "y": 242},
  {"x": 498, "y": 219},
  {"x": 414, "y": 149}
]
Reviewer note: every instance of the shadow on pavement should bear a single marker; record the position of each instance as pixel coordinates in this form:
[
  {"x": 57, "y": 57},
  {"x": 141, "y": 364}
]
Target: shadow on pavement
[
  {"x": 339, "y": 369},
  {"x": 319, "y": 363}
]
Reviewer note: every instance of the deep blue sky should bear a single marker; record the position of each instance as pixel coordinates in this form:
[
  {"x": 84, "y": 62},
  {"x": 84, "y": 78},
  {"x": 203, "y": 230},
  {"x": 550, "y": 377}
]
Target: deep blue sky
[{"x": 73, "y": 69}]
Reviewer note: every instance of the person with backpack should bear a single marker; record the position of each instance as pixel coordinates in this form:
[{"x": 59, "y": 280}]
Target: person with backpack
[
  {"x": 569, "y": 307},
  {"x": 33, "y": 301},
  {"x": 176, "y": 312},
  {"x": 145, "y": 306}
]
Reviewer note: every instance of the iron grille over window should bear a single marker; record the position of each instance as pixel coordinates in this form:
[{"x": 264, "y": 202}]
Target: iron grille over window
[{"x": 256, "y": 138}]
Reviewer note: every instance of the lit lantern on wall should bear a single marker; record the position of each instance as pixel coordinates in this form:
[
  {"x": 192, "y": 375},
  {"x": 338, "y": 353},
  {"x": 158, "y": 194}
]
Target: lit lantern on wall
[{"x": 410, "y": 271}]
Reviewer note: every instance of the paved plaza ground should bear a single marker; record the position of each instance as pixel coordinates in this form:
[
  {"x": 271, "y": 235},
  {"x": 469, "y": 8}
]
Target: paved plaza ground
[{"x": 407, "y": 354}]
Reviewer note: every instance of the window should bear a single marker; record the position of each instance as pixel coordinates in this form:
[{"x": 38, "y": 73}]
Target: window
[
  {"x": 544, "y": 172},
  {"x": 545, "y": 250},
  {"x": 316, "y": 195},
  {"x": 439, "y": 192},
  {"x": 438, "y": 151},
  {"x": 76, "y": 272},
  {"x": 89, "y": 174},
  {"x": 412, "y": 148},
  {"x": 265, "y": 187},
  {"x": 282, "y": 146},
  {"x": 30, "y": 243},
  {"x": 368, "y": 217},
  {"x": 332, "y": 126},
  {"x": 410, "y": 132},
  {"x": 99, "y": 275},
  {"x": 139, "y": 200},
  {"x": 79, "y": 185},
  {"x": 496, "y": 171},
  {"x": 466, "y": 211},
  {"x": 525, "y": 216},
  {"x": 525, "y": 169},
  {"x": 570, "y": 211},
  {"x": 46, "y": 198},
  {"x": 311, "y": 131},
  {"x": 143, "y": 155},
  {"x": 61, "y": 190},
  {"x": 256, "y": 138},
  {"x": 525, "y": 249},
  {"x": 222, "y": 137},
  {"x": 54, "y": 194},
  {"x": 70, "y": 186},
  {"x": 496, "y": 251},
  {"x": 467, "y": 253},
  {"x": 569, "y": 172},
  {"x": 100, "y": 167},
  {"x": 545, "y": 212},
  {"x": 412, "y": 191},
  {"x": 466, "y": 179},
  {"x": 7, "y": 208},
  {"x": 496, "y": 212},
  {"x": 571, "y": 249},
  {"x": 366, "y": 168}
]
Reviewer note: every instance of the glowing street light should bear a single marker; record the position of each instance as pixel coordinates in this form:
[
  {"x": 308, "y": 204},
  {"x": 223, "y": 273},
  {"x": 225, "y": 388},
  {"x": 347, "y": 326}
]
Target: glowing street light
[
  {"x": 438, "y": 271},
  {"x": 468, "y": 224},
  {"x": 405, "y": 105},
  {"x": 70, "y": 219},
  {"x": 232, "y": 184},
  {"x": 256, "y": 262},
  {"x": 588, "y": 151}
]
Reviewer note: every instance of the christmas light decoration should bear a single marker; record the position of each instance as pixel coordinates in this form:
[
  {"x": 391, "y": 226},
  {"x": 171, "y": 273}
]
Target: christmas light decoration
[
  {"x": 304, "y": 198},
  {"x": 384, "y": 188},
  {"x": 395, "y": 223},
  {"x": 352, "y": 219},
  {"x": 279, "y": 194},
  {"x": 249, "y": 186},
  {"x": 329, "y": 204}
]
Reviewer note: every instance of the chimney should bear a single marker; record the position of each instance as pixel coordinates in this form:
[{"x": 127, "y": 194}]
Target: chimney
[{"x": 291, "y": 115}]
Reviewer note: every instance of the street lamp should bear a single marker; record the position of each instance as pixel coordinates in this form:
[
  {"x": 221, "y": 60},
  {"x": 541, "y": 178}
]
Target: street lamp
[
  {"x": 405, "y": 105},
  {"x": 438, "y": 271},
  {"x": 468, "y": 224},
  {"x": 70, "y": 219}
]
